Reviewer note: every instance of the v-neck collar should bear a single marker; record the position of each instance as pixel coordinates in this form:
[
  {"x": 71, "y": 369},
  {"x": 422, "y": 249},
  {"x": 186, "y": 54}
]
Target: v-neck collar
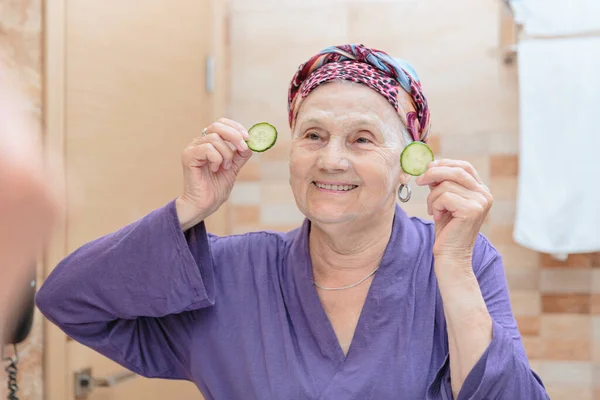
[{"x": 398, "y": 257}]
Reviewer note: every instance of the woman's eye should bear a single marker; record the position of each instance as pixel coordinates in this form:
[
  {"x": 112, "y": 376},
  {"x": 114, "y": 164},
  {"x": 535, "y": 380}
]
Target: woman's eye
[
  {"x": 363, "y": 140},
  {"x": 313, "y": 136}
]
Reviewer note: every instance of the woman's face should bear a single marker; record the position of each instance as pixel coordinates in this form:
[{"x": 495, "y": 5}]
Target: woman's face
[{"x": 345, "y": 158}]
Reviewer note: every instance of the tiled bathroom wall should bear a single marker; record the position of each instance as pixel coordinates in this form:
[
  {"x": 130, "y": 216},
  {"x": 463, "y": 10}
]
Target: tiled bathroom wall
[
  {"x": 21, "y": 49},
  {"x": 474, "y": 104}
]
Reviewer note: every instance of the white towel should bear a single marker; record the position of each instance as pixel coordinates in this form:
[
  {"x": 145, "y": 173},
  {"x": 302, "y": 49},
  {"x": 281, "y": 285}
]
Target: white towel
[
  {"x": 558, "y": 204},
  {"x": 557, "y": 17}
]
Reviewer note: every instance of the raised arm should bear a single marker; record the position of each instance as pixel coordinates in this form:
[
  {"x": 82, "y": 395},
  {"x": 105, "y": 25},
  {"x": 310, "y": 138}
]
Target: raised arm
[
  {"x": 134, "y": 295},
  {"x": 486, "y": 356},
  {"x": 485, "y": 345},
  {"x": 131, "y": 295}
]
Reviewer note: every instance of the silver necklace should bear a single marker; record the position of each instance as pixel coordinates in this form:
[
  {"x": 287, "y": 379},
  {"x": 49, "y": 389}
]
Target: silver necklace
[{"x": 349, "y": 286}]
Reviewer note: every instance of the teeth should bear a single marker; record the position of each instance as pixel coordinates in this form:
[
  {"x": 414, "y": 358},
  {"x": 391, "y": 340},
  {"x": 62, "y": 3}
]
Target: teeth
[{"x": 341, "y": 188}]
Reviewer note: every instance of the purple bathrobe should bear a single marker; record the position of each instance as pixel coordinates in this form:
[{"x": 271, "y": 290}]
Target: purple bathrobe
[{"x": 239, "y": 316}]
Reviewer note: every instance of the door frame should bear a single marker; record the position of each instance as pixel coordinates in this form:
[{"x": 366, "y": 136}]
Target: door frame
[{"x": 57, "y": 378}]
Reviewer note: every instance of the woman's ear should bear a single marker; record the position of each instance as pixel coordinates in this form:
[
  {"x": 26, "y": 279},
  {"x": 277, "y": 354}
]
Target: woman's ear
[{"x": 403, "y": 178}]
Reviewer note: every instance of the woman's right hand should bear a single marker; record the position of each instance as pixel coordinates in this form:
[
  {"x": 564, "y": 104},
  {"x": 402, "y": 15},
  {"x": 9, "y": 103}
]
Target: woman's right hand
[{"x": 210, "y": 167}]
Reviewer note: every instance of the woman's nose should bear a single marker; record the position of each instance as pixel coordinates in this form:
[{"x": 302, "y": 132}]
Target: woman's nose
[{"x": 332, "y": 158}]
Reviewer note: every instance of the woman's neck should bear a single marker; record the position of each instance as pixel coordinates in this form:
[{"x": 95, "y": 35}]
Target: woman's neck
[{"x": 341, "y": 253}]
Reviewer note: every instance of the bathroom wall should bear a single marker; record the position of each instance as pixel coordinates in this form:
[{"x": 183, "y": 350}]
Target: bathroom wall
[
  {"x": 473, "y": 97},
  {"x": 21, "y": 44}
]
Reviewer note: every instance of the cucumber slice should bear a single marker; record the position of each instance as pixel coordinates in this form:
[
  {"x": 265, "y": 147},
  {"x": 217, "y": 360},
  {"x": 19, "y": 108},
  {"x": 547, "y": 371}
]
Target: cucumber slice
[
  {"x": 261, "y": 137},
  {"x": 415, "y": 158}
]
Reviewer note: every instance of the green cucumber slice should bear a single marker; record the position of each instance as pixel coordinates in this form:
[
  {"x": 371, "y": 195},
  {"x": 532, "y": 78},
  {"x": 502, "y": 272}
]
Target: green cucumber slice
[
  {"x": 415, "y": 158},
  {"x": 261, "y": 137}
]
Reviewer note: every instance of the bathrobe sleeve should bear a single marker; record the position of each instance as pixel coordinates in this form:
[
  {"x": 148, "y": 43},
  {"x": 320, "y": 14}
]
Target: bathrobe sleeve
[
  {"x": 503, "y": 371},
  {"x": 134, "y": 295}
]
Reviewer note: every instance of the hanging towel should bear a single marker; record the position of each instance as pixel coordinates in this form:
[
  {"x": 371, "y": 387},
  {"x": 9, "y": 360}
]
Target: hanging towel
[
  {"x": 558, "y": 202},
  {"x": 556, "y": 17}
]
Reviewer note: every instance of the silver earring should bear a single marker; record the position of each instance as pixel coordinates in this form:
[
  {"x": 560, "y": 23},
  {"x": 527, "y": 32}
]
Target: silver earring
[{"x": 405, "y": 198}]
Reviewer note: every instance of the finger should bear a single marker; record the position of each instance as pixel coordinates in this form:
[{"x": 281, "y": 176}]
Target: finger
[
  {"x": 467, "y": 166},
  {"x": 452, "y": 187},
  {"x": 436, "y": 175},
  {"x": 205, "y": 153},
  {"x": 453, "y": 203},
  {"x": 235, "y": 125},
  {"x": 240, "y": 158},
  {"x": 228, "y": 134},
  {"x": 222, "y": 147}
]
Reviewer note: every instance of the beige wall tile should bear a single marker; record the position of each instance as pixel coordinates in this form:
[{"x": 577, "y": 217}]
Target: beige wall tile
[
  {"x": 277, "y": 171},
  {"x": 240, "y": 6},
  {"x": 276, "y": 193},
  {"x": 280, "y": 227},
  {"x": 283, "y": 213},
  {"x": 241, "y": 229},
  {"x": 504, "y": 165},
  {"x": 573, "y": 261},
  {"x": 559, "y": 280},
  {"x": 528, "y": 325},
  {"x": 503, "y": 212},
  {"x": 595, "y": 304},
  {"x": 416, "y": 210},
  {"x": 485, "y": 229},
  {"x": 564, "y": 350},
  {"x": 419, "y": 193},
  {"x": 523, "y": 278},
  {"x": 565, "y": 326},
  {"x": 502, "y": 234},
  {"x": 434, "y": 143},
  {"x": 475, "y": 144},
  {"x": 533, "y": 348},
  {"x": 250, "y": 172},
  {"x": 515, "y": 256},
  {"x": 567, "y": 373},
  {"x": 245, "y": 193},
  {"x": 596, "y": 281},
  {"x": 595, "y": 259},
  {"x": 567, "y": 392},
  {"x": 525, "y": 302},
  {"x": 245, "y": 215},
  {"x": 596, "y": 343},
  {"x": 281, "y": 150},
  {"x": 504, "y": 187},
  {"x": 566, "y": 303},
  {"x": 504, "y": 143}
]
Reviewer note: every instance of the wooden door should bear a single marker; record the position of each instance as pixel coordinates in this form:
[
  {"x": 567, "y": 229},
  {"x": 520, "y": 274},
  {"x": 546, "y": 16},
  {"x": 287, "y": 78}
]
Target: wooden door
[{"x": 126, "y": 91}]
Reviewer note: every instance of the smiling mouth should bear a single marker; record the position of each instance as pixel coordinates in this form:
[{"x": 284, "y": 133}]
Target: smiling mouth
[{"x": 337, "y": 188}]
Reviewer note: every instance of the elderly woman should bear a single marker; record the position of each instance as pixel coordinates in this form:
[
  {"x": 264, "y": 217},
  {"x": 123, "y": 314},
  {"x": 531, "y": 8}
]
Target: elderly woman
[{"x": 360, "y": 302}]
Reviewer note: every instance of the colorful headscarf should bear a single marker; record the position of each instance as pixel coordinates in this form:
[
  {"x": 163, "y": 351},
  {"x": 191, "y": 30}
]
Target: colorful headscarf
[{"x": 370, "y": 67}]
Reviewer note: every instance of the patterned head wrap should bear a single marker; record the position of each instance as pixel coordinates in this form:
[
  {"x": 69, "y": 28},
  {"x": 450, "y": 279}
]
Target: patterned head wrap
[{"x": 394, "y": 79}]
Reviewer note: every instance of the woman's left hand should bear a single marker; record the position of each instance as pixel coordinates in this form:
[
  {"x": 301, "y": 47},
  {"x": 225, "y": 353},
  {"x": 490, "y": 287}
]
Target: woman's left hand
[{"x": 459, "y": 202}]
